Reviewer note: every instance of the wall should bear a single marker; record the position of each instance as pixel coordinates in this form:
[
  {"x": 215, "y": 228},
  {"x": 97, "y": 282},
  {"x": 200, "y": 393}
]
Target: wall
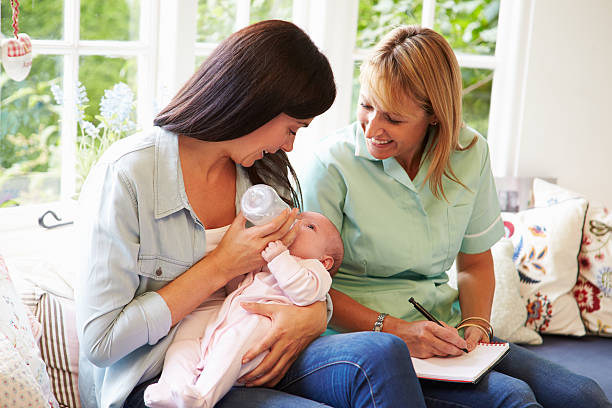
[{"x": 564, "y": 125}]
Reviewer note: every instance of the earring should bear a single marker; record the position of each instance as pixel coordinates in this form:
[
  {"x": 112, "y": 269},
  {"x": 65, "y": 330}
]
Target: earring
[{"x": 434, "y": 123}]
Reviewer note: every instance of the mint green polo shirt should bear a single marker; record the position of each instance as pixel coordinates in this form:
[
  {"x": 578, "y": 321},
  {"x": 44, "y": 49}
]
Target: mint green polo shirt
[{"x": 399, "y": 239}]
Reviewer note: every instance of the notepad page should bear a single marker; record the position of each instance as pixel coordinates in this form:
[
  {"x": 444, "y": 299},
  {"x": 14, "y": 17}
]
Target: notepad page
[{"x": 465, "y": 368}]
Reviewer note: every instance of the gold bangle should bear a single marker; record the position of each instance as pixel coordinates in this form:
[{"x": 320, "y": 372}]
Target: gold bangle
[
  {"x": 489, "y": 327},
  {"x": 464, "y": 325},
  {"x": 482, "y": 319}
]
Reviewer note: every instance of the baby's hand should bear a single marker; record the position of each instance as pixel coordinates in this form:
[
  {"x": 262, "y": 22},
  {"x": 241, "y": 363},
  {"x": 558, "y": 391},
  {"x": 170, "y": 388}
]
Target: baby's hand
[{"x": 273, "y": 249}]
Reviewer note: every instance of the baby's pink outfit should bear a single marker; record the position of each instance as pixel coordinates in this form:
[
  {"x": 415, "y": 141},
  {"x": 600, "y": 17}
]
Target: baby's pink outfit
[{"x": 199, "y": 371}]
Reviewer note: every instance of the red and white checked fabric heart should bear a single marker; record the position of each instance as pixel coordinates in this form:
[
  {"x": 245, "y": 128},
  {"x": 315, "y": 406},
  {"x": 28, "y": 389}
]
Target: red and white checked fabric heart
[
  {"x": 17, "y": 56},
  {"x": 19, "y": 46}
]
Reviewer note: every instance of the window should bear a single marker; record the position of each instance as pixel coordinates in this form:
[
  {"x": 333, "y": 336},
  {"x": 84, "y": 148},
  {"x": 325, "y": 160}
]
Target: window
[
  {"x": 153, "y": 46},
  {"x": 217, "y": 19},
  {"x": 469, "y": 26},
  {"x": 81, "y": 48}
]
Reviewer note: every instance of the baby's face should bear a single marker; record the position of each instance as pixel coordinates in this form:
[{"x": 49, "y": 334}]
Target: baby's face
[{"x": 314, "y": 231}]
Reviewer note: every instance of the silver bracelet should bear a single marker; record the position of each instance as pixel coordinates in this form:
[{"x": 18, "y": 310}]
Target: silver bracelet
[{"x": 378, "y": 325}]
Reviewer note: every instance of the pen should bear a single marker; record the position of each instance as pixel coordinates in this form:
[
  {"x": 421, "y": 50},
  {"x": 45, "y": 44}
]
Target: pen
[{"x": 427, "y": 315}]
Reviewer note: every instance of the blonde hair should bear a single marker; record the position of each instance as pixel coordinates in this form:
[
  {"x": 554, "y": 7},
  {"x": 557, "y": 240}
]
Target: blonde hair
[{"x": 419, "y": 63}]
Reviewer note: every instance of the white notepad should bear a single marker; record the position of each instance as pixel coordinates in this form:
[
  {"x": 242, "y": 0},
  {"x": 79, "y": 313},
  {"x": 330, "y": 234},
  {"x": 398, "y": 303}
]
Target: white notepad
[{"x": 469, "y": 367}]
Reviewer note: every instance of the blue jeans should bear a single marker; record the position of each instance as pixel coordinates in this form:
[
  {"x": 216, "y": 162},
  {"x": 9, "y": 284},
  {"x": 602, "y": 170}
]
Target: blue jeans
[
  {"x": 364, "y": 369},
  {"x": 521, "y": 379}
]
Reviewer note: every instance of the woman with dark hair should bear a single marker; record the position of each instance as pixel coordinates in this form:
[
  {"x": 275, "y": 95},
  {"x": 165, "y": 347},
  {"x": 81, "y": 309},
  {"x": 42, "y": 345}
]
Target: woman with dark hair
[{"x": 164, "y": 235}]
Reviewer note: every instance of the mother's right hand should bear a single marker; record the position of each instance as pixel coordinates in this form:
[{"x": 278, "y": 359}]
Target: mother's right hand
[
  {"x": 240, "y": 249},
  {"x": 426, "y": 339}
]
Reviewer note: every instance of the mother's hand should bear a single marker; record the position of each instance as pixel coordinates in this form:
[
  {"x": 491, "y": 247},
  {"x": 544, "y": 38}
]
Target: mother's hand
[
  {"x": 240, "y": 249},
  {"x": 427, "y": 339},
  {"x": 293, "y": 329}
]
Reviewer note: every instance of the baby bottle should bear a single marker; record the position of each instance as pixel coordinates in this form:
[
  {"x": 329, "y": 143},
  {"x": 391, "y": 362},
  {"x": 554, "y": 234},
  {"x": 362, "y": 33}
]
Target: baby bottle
[{"x": 260, "y": 204}]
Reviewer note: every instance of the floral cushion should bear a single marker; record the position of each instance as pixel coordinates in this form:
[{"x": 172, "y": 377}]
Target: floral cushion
[
  {"x": 508, "y": 313},
  {"x": 546, "y": 245},
  {"x": 23, "y": 377},
  {"x": 593, "y": 290}
]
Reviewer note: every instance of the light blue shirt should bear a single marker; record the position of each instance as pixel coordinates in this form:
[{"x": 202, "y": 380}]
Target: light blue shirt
[
  {"x": 399, "y": 239},
  {"x": 138, "y": 233}
]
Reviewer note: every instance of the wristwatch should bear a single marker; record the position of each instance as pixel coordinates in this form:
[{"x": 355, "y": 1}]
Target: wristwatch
[{"x": 378, "y": 325}]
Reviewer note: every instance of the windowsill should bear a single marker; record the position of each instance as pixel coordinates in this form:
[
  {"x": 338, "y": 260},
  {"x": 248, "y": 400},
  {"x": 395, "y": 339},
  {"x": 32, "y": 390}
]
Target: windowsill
[
  {"x": 31, "y": 252},
  {"x": 25, "y": 217}
]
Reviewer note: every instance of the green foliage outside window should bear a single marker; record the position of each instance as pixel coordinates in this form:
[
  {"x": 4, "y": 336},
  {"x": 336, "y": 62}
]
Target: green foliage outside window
[
  {"x": 30, "y": 134},
  {"x": 42, "y": 20},
  {"x": 216, "y": 20},
  {"x": 110, "y": 20},
  {"x": 378, "y": 17},
  {"x": 469, "y": 26},
  {"x": 271, "y": 9}
]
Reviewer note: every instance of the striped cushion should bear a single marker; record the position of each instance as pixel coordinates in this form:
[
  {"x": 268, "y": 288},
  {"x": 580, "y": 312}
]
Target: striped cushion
[
  {"x": 24, "y": 381},
  {"x": 58, "y": 344}
]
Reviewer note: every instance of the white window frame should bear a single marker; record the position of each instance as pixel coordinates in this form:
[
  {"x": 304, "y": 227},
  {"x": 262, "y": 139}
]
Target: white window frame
[
  {"x": 167, "y": 48},
  {"x": 71, "y": 47}
]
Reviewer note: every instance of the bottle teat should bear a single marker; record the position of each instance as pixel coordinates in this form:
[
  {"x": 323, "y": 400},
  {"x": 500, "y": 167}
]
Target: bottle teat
[{"x": 260, "y": 204}]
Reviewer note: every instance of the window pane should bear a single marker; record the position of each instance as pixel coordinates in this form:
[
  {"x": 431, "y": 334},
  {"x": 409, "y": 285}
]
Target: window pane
[
  {"x": 108, "y": 113},
  {"x": 117, "y": 20},
  {"x": 271, "y": 9},
  {"x": 378, "y": 17},
  {"x": 469, "y": 26},
  {"x": 215, "y": 20},
  {"x": 477, "y": 98},
  {"x": 30, "y": 135},
  {"x": 98, "y": 73},
  {"x": 42, "y": 20}
]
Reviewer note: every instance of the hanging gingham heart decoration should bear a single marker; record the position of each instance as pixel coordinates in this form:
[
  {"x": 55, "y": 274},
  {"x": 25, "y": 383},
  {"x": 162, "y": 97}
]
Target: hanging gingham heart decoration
[
  {"x": 17, "y": 56},
  {"x": 17, "y": 52}
]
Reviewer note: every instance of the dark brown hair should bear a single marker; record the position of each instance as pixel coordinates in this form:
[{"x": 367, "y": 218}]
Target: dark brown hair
[{"x": 257, "y": 73}]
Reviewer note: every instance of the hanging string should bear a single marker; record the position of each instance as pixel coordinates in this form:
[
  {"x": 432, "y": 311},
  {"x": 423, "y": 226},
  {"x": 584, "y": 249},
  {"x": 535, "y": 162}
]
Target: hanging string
[{"x": 15, "y": 7}]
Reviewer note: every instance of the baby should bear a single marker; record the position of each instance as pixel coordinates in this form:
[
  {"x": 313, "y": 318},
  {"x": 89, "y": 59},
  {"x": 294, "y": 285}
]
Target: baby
[{"x": 199, "y": 372}]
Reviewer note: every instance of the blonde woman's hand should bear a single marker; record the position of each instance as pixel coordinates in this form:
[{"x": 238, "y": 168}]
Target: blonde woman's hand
[
  {"x": 473, "y": 336},
  {"x": 240, "y": 249},
  {"x": 293, "y": 329},
  {"x": 427, "y": 339}
]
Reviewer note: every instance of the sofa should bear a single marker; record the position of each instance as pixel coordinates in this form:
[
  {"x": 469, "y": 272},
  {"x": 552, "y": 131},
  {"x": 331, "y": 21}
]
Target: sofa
[
  {"x": 554, "y": 280},
  {"x": 552, "y": 293}
]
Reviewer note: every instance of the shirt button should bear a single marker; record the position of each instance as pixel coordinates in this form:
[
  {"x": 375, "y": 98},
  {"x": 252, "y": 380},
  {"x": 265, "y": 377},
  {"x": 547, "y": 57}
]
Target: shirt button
[{"x": 158, "y": 272}]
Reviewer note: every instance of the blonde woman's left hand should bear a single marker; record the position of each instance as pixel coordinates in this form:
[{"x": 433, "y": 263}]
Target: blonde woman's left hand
[
  {"x": 293, "y": 329},
  {"x": 473, "y": 336}
]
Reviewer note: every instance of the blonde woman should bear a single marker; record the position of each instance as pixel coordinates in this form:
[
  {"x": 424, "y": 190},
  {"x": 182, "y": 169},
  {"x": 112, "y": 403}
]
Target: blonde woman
[{"x": 410, "y": 189}]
